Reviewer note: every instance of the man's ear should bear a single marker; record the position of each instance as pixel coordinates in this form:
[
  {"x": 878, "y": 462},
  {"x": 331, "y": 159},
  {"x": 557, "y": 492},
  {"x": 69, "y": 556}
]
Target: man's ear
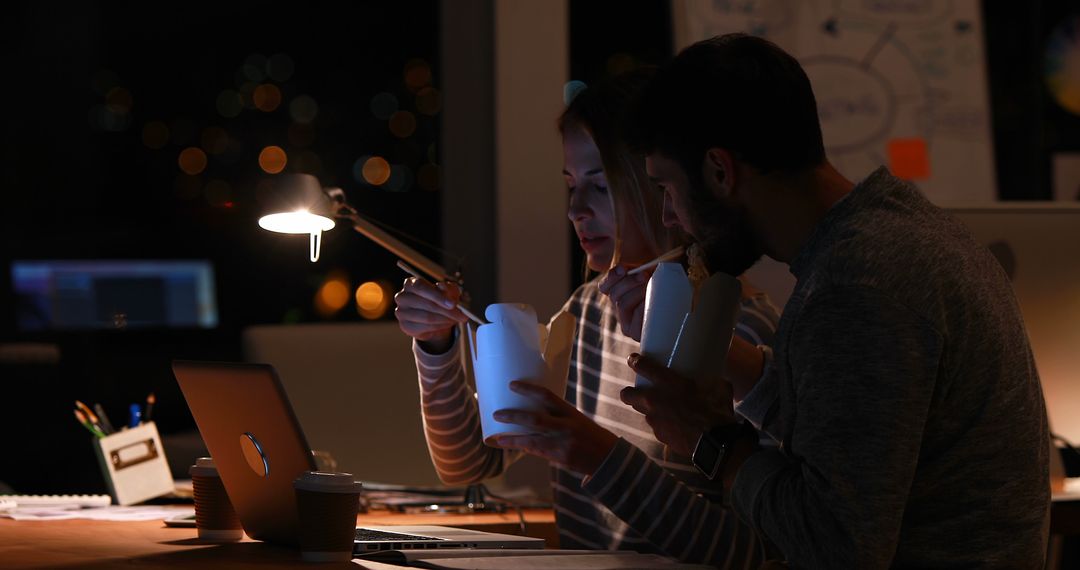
[{"x": 718, "y": 172}]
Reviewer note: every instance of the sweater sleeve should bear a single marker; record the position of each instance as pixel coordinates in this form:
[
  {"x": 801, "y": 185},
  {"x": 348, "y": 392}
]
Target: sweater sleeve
[
  {"x": 669, "y": 513},
  {"x": 452, "y": 421},
  {"x": 864, "y": 369}
]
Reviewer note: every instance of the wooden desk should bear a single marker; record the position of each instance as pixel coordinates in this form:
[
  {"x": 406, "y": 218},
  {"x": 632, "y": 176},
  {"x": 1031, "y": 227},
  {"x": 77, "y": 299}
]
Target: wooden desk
[{"x": 79, "y": 544}]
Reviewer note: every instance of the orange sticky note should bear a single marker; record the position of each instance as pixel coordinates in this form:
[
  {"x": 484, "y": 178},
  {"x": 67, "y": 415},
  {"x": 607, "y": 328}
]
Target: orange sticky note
[{"x": 909, "y": 159}]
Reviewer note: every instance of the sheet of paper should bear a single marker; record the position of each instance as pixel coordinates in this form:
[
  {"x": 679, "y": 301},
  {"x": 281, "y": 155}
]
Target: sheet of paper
[
  {"x": 111, "y": 513},
  {"x": 593, "y": 561}
]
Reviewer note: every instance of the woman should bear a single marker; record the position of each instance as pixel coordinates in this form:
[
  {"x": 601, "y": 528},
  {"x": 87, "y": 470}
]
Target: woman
[{"x": 616, "y": 214}]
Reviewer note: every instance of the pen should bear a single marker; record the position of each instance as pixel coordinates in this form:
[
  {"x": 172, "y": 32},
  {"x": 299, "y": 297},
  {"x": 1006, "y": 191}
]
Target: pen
[
  {"x": 136, "y": 415},
  {"x": 91, "y": 417},
  {"x": 150, "y": 400},
  {"x": 81, "y": 417},
  {"x": 106, "y": 425}
]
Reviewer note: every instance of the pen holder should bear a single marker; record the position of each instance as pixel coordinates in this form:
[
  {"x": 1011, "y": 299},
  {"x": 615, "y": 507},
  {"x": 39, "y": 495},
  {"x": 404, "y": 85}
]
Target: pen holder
[{"x": 133, "y": 463}]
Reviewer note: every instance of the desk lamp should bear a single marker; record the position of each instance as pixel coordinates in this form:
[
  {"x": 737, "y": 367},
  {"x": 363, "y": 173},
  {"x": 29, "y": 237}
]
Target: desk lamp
[{"x": 298, "y": 204}]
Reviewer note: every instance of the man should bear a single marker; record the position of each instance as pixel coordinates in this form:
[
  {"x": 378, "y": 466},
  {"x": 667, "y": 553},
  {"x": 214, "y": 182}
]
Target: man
[{"x": 900, "y": 384}]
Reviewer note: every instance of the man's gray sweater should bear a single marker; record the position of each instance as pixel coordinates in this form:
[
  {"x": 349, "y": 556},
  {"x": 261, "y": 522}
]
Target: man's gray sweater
[{"x": 905, "y": 396}]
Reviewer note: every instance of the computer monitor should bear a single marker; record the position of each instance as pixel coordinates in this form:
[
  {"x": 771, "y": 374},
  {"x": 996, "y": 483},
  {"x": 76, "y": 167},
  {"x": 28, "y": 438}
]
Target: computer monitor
[
  {"x": 1038, "y": 244},
  {"x": 65, "y": 295}
]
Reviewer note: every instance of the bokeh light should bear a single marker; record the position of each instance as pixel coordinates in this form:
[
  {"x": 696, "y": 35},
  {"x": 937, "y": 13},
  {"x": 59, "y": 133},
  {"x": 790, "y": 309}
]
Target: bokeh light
[
  {"x": 417, "y": 74},
  {"x": 428, "y": 177},
  {"x": 109, "y": 118},
  {"x": 214, "y": 140},
  {"x": 384, "y": 105},
  {"x": 402, "y": 124},
  {"x": 400, "y": 180},
  {"x": 192, "y": 160},
  {"x": 155, "y": 135},
  {"x": 247, "y": 93},
  {"x": 303, "y": 109},
  {"x": 218, "y": 194},
  {"x": 332, "y": 295},
  {"x": 301, "y": 135},
  {"x": 273, "y": 159},
  {"x": 254, "y": 67},
  {"x": 572, "y": 89},
  {"x": 372, "y": 299},
  {"x": 229, "y": 103},
  {"x": 119, "y": 100},
  {"x": 266, "y": 97},
  {"x": 429, "y": 101},
  {"x": 376, "y": 171},
  {"x": 620, "y": 63},
  {"x": 280, "y": 67}
]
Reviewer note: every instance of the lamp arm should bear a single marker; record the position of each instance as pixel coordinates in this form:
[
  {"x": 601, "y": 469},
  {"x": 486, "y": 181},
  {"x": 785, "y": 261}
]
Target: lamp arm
[{"x": 393, "y": 245}]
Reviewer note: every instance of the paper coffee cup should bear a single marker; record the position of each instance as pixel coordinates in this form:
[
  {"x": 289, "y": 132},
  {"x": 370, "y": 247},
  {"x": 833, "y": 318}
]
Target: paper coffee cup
[
  {"x": 215, "y": 518},
  {"x": 327, "y": 504}
]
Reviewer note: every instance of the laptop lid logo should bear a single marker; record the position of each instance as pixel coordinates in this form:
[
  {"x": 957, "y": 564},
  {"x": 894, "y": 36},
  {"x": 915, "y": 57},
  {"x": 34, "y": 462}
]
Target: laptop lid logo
[{"x": 253, "y": 453}]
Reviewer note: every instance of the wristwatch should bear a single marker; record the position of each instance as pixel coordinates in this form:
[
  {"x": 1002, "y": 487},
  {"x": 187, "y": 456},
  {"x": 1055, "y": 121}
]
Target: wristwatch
[{"x": 713, "y": 447}]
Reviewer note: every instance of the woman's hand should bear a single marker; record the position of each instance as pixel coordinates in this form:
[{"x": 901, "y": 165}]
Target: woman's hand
[
  {"x": 429, "y": 313},
  {"x": 564, "y": 435},
  {"x": 627, "y": 292}
]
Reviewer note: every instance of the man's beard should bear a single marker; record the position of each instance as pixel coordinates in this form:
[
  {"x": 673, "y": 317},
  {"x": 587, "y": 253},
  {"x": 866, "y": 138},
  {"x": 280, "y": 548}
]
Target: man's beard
[{"x": 724, "y": 234}]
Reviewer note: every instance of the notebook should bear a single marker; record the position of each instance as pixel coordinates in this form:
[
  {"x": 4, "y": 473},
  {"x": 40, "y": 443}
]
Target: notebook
[{"x": 234, "y": 402}]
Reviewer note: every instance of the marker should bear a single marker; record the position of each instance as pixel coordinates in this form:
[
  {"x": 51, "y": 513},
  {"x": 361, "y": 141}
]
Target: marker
[
  {"x": 91, "y": 418},
  {"x": 81, "y": 417},
  {"x": 136, "y": 416},
  {"x": 106, "y": 425},
  {"x": 149, "y": 407}
]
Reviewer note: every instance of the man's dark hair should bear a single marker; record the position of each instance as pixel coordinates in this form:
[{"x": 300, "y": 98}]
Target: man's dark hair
[{"x": 736, "y": 92}]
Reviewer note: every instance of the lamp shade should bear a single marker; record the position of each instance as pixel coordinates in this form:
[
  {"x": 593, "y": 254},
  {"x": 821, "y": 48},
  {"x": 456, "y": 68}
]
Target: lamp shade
[{"x": 296, "y": 204}]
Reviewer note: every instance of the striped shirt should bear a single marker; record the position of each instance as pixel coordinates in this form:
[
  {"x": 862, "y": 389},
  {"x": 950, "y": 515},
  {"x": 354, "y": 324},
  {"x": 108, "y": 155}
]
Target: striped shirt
[{"x": 643, "y": 497}]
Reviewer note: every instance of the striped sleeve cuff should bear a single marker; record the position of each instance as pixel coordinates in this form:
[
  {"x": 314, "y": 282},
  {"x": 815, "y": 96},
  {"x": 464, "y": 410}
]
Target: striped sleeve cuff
[
  {"x": 669, "y": 514},
  {"x": 433, "y": 367}
]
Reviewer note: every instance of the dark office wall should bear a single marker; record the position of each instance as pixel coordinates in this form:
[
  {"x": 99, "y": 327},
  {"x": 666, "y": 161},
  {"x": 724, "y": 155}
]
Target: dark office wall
[{"x": 73, "y": 187}]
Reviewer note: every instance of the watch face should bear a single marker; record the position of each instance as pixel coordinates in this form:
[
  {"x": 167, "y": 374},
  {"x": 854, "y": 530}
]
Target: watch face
[{"x": 707, "y": 456}]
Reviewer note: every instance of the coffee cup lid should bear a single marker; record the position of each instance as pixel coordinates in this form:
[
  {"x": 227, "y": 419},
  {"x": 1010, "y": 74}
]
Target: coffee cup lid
[
  {"x": 204, "y": 467},
  {"x": 323, "y": 482}
]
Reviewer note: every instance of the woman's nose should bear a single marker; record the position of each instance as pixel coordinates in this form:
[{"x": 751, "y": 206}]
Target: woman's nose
[{"x": 578, "y": 210}]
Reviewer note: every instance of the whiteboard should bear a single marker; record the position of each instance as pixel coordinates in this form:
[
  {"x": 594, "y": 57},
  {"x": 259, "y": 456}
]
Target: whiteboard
[{"x": 900, "y": 83}]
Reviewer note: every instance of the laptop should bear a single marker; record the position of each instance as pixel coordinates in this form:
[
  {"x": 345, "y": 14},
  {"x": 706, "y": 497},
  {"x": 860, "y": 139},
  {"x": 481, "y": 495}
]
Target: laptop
[{"x": 248, "y": 425}]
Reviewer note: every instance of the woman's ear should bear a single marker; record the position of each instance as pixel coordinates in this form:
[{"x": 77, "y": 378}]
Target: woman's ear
[{"x": 719, "y": 172}]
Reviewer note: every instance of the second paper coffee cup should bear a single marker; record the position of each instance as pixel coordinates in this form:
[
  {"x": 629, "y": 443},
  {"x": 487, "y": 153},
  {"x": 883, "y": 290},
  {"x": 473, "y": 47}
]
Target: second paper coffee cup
[{"x": 327, "y": 504}]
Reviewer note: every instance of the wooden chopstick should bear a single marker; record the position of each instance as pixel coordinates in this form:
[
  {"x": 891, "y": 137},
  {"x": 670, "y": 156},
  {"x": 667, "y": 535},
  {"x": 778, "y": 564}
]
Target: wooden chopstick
[
  {"x": 408, "y": 269},
  {"x": 675, "y": 253}
]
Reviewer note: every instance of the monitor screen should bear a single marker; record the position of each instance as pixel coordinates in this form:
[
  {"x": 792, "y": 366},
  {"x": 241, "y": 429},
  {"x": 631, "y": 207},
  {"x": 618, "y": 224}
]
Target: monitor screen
[{"x": 113, "y": 294}]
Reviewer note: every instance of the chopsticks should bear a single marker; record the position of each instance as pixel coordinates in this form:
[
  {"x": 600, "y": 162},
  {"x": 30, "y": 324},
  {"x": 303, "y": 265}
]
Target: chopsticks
[
  {"x": 408, "y": 269},
  {"x": 673, "y": 254}
]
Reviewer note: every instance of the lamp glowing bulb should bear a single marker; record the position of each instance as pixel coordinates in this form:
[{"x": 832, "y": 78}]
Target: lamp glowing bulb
[{"x": 299, "y": 222}]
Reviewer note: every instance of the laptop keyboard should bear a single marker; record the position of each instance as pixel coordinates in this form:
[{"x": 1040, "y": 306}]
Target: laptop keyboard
[{"x": 367, "y": 534}]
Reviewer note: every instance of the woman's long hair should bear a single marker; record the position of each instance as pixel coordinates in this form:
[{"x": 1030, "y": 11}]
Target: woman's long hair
[{"x": 600, "y": 110}]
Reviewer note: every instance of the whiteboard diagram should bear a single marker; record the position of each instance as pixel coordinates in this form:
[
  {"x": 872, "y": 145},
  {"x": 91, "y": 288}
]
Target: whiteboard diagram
[{"x": 900, "y": 83}]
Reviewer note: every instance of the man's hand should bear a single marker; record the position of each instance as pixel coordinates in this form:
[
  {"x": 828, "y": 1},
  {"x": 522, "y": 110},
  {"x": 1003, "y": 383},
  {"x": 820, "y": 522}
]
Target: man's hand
[
  {"x": 429, "y": 313},
  {"x": 677, "y": 409},
  {"x": 564, "y": 435},
  {"x": 627, "y": 292}
]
